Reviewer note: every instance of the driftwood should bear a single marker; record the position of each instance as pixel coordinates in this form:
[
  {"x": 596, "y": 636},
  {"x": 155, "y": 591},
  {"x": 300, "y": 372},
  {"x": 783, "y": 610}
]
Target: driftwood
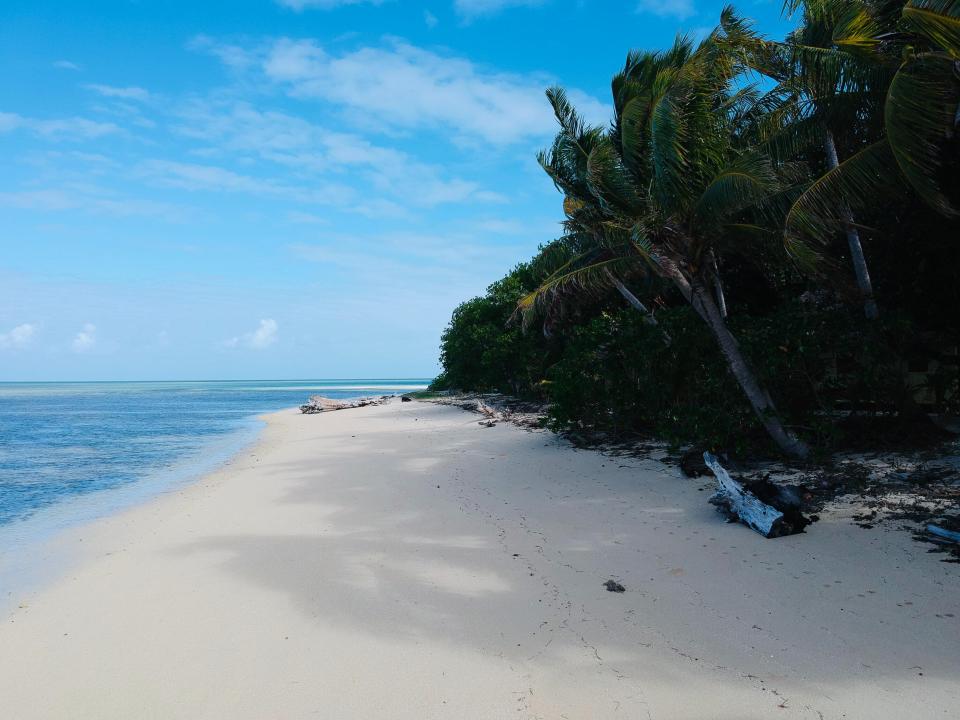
[
  {"x": 943, "y": 533},
  {"x": 319, "y": 404},
  {"x": 771, "y": 510}
]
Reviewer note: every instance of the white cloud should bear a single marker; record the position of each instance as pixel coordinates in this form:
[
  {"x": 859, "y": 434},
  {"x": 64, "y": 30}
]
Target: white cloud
[
  {"x": 233, "y": 56},
  {"x": 17, "y": 338},
  {"x": 404, "y": 86},
  {"x": 10, "y": 121},
  {"x": 262, "y": 337},
  {"x": 120, "y": 93},
  {"x": 75, "y": 128},
  {"x": 299, "y": 5},
  {"x": 679, "y": 9},
  {"x": 591, "y": 109},
  {"x": 302, "y": 218},
  {"x": 93, "y": 200},
  {"x": 193, "y": 176},
  {"x": 475, "y": 8},
  {"x": 85, "y": 339},
  {"x": 402, "y": 250},
  {"x": 307, "y": 148},
  {"x": 430, "y": 19},
  {"x": 65, "y": 65},
  {"x": 40, "y": 200},
  {"x": 398, "y": 86}
]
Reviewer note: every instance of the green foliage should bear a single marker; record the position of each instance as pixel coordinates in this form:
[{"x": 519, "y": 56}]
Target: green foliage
[
  {"x": 702, "y": 182},
  {"x": 617, "y": 374},
  {"x": 485, "y": 348}
]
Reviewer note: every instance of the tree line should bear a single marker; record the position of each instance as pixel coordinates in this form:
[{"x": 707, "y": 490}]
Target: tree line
[{"x": 761, "y": 246}]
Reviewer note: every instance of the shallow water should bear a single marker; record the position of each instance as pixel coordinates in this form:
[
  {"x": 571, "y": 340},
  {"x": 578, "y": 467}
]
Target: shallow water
[{"x": 72, "y": 450}]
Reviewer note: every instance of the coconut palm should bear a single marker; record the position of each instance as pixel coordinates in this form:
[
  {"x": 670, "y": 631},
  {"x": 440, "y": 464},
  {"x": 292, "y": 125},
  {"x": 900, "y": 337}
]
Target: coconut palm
[
  {"x": 825, "y": 86},
  {"x": 884, "y": 77},
  {"x": 666, "y": 191}
]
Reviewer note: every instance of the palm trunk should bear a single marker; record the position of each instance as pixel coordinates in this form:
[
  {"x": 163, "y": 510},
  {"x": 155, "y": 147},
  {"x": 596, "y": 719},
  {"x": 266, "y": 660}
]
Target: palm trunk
[
  {"x": 632, "y": 299},
  {"x": 853, "y": 240},
  {"x": 718, "y": 286},
  {"x": 758, "y": 397},
  {"x": 699, "y": 297}
]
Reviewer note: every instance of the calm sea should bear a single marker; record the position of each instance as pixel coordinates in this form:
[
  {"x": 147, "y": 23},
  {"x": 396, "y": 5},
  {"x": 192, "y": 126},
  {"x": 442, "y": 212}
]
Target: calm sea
[{"x": 73, "y": 451}]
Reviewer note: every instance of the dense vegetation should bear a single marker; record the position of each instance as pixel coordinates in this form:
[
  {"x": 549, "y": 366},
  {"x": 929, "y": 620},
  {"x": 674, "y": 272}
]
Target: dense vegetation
[{"x": 761, "y": 248}]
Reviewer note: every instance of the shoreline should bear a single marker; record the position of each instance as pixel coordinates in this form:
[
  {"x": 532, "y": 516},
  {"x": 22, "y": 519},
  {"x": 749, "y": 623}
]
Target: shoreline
[
  {"x": 33, "y": 551},
  {"x": 400, "y": 561}
]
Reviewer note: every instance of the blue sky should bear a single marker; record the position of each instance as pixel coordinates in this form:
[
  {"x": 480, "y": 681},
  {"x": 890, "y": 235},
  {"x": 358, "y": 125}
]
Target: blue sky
[{"x": 282, "y": 188}]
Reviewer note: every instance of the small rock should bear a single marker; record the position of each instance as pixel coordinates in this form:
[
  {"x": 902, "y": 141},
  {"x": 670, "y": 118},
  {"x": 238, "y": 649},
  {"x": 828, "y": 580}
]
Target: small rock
[{"x": 614, "y": 586}]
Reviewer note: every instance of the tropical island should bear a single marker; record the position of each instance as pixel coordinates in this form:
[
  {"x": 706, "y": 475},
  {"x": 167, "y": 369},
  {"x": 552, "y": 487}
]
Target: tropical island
[{"x": 751, "y": 307}]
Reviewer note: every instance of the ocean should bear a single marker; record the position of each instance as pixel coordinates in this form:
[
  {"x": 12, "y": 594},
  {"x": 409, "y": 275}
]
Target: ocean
[{"x": 70, "y": 452}]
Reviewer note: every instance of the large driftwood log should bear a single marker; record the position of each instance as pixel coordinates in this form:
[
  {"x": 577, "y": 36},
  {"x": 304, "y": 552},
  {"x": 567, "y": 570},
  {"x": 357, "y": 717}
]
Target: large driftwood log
[
  {"x": 743, "y": 505},
  {"x": 319, "y": 404}
]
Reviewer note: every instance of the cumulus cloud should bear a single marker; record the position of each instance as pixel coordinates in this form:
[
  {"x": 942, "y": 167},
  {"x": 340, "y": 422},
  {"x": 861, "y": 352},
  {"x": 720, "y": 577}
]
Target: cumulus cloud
[
  {"x": 17, "y": 338},
  {"x": 409, "y": 87},
  {"x": 401, "y": 86},
  {"x": 85, "y": 340},
  {"x": 679, "y": 9},
  {"x": 262, "y": 337},
  {"x": 470, "y": 9}
]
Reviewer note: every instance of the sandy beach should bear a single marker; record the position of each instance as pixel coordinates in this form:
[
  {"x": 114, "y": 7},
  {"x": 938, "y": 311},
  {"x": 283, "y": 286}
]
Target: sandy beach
[{"x": 403, "y": 562}]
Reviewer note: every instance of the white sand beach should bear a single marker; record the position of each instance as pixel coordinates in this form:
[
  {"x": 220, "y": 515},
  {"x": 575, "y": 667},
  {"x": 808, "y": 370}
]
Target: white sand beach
[{"x": 401, "y": 562}]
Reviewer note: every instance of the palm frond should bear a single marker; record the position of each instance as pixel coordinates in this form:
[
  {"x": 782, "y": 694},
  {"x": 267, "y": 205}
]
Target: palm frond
[
  {"x": 824, "y": 207},
  {"x": 588, "y": 272},
  {"x": 938, "y": 20},
  {"x": 920, "y": 114},
  {"x": 608, "y": 182},
  {"x": 741, "y": 183}
]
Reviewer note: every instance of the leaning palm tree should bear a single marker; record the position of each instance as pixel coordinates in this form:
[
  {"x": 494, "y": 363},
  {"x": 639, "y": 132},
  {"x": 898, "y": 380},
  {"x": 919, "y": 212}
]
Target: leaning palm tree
[{"x": 665, "y": 191}]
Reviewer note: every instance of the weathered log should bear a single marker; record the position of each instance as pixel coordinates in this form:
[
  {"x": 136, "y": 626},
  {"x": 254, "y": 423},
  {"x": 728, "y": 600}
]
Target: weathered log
[
  {"x": 943, "y": 533},
  {"x": 741, "y": 504},
  {"x": 319, "y": 404}
]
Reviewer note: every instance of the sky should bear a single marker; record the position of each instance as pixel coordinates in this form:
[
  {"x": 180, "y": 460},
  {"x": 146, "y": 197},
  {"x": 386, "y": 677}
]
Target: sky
[{"x": 283, "y": 188}]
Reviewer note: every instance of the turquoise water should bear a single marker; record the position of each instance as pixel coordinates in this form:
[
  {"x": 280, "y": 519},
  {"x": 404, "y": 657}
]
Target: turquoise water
[{"x": 70, "y": 451}]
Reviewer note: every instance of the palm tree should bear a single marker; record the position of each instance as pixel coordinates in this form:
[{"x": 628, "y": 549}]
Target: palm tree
[
  {"x": 823, "y": 85},
  {"x": 666, "y": 190},
  {"x": 885, "y": 76}
]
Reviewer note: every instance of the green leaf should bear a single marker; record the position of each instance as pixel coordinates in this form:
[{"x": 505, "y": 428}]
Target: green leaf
[
  {"x": 938, "y": 20},
  {"x": 824, "y": 208},
  {"x": 920, "y": 113}
]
